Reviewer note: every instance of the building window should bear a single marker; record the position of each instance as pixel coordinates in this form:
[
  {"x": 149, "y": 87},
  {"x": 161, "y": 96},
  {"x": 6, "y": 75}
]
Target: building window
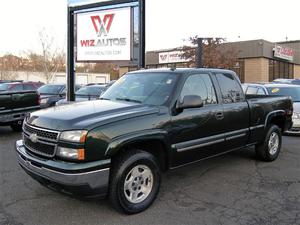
[{"x": 280, "y": 69}]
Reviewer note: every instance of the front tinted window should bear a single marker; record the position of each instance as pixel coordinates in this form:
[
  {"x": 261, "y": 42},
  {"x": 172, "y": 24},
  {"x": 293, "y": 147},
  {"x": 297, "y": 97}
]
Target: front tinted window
[
  {"x": 146, "y": 88},
  {"x": 50, "y": 89},
  {"x": 200, "y": 85},
  {"x": 294, "y": 92},
  {"x": 230, "y": 88}
]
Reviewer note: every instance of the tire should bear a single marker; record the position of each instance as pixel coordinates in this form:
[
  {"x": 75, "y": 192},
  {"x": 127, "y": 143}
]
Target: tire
[
  {"x": 269, "y": 150},
  {"x": 140, "y": 172},
  {"x": 17, "y": 127}
]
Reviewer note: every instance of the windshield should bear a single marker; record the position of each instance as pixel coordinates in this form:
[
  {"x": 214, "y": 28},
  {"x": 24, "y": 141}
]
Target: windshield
[
  {"x": 50, "y": 89},
  {"x": 294, "y": 92},
  {"x": 145, "y": 88},
  {"x": 91, "y": 90},
  {"x": 4, "y": 87}
]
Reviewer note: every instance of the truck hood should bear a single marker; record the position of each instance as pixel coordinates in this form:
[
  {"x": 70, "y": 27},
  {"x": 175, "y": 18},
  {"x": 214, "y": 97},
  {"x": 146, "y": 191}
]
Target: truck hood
[{"x": 87, "y": 115}]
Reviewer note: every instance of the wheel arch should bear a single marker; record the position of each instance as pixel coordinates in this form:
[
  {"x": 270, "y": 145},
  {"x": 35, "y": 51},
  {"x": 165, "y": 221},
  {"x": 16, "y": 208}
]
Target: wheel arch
[
  {"x": 149, "y": 141},
  {"x": 277, "y": 118}
]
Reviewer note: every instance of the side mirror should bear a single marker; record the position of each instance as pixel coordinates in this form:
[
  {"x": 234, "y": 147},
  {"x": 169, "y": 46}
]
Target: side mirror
[{"x": 190, "y": 101}]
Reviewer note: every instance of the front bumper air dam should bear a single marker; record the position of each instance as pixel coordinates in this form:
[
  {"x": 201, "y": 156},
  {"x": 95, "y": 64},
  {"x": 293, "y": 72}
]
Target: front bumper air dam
[{"x": 89, "y": 181}]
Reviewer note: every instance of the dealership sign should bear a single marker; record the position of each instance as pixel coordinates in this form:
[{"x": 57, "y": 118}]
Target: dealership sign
[
  {"x": 283, "y": 53},
  {"x": 84, "y": 2},
  {"x": 104, "y": 35},
  {"x": 171, "y": 57}
]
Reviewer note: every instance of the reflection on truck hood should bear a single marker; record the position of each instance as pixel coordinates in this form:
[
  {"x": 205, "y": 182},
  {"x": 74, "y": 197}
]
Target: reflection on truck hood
[{"x": 87, "y": 115}]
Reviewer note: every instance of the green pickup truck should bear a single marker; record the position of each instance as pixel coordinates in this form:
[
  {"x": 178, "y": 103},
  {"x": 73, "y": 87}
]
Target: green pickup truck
[
  {"x": 15, "y": 105},
  {"x": 148, "y": 122}
]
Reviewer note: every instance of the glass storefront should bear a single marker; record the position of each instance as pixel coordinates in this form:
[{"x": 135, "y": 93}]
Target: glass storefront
[{"x": 280, "y": 69}]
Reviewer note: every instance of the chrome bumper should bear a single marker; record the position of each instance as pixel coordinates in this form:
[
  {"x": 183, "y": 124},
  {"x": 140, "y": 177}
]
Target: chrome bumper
[{"x": 94, "y": 179}]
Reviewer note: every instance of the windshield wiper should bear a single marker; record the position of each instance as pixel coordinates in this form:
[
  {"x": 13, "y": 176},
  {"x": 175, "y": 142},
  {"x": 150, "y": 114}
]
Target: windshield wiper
[{"x": 128, "y": 100}]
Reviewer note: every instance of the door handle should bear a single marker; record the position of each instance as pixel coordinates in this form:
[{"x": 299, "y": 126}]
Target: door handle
[{"x": 219, "y": 115}]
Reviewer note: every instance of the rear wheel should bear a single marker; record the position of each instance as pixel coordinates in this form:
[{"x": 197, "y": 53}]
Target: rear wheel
[
  {"x": 135, "y": 181},
  {"x": 270, "y": 148},
  {"x": 17, "y": 126}
]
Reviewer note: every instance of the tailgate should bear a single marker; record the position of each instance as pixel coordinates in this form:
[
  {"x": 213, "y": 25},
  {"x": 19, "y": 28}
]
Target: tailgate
[{"x": 18, "y": 100}]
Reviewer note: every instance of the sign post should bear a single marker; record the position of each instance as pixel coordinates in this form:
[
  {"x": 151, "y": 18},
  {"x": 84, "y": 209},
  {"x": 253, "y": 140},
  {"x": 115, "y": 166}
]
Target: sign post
[{"x": 104, "y": 31}]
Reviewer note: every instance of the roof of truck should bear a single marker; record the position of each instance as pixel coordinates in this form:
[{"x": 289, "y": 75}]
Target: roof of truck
[{"x": 181, "y": 70}]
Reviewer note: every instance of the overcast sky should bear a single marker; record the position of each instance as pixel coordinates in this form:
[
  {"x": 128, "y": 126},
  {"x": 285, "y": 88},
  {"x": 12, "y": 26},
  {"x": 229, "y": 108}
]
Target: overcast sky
[{"x": 169, "y": 22}]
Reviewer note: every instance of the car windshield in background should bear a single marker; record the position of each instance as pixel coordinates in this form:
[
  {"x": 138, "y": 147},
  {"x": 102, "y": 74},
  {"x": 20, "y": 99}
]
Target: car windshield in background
[
  {"x": 50, "y": 89},
  {"x": 90, "y": 90},
  {"x": 4, "y": 87},
  {"x": 294, "y": 92},
  {"x": 145, "y": 88}
]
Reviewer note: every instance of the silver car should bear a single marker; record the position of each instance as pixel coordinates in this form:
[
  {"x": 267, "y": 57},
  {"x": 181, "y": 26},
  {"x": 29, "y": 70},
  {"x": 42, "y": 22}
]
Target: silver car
[{"x": 279, "y": 89}]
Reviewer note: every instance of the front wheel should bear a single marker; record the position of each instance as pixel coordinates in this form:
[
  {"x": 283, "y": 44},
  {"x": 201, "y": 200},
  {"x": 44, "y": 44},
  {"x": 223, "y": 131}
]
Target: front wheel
[
  {"x": 270, "y": 148},
  {"x": 135, "y": 181}
]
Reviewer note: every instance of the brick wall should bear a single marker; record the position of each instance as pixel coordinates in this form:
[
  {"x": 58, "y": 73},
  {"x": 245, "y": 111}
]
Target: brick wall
[{"x": 256, "y": 70}]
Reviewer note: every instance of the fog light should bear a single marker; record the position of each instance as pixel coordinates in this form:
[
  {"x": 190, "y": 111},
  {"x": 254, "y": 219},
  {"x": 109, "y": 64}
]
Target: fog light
[{"x": 70, "y": 153}]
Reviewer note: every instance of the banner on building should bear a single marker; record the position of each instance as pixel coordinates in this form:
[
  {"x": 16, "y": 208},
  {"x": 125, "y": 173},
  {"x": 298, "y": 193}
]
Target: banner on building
[
  {"x": 285, "y": 53},
  {"x": 171, "y": 57}
]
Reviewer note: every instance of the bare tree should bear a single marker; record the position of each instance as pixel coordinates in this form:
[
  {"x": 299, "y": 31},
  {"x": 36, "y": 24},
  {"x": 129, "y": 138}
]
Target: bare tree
[
  {"x": 216, "y": 54},
  {"x": 52, "y": 58},
  {"x": 9, "y": 64}
]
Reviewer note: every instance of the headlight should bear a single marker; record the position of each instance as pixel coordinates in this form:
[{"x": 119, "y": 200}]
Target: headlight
[
  {"x": 77, "y": 136},
  {"x": 70, "y": 153},
  {"x": 296, "y": 115}
]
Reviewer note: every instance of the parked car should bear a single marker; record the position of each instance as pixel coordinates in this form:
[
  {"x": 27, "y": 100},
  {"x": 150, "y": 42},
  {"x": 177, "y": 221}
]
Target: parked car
[
  {"x": 51, "y": 93},
  {"x": 287, "y": 81},
  {"x": 110, "y": 84},
  {"x": 279, "y": 90},
  {"x": 19, "y": 86},
  {"x": 15, "y": 105},
  {"x": 86, "y": 93},
  {"x": 147, "y": 122}
]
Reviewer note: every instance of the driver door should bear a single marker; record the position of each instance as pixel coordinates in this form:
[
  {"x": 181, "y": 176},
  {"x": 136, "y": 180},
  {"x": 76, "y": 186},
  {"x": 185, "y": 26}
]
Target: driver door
[{"x": 197, "y": 132}]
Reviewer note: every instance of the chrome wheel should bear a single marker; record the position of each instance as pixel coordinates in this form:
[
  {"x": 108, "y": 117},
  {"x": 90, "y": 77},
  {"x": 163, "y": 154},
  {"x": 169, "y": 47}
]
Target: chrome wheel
[
  {"x": 138, "y": 184},
  {"x": 273, "y": 143}
]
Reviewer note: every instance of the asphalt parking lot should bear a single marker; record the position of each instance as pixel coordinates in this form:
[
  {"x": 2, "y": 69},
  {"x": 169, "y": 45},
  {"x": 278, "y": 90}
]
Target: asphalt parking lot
[{"x": 231, "y": 189}]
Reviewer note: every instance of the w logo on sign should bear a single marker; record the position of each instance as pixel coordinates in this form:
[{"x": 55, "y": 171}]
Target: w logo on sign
[{"x": 102, "y": 26}]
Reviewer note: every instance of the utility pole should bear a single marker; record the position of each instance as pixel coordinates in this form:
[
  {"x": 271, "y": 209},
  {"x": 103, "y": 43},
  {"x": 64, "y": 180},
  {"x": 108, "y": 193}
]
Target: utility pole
[{"x": 199, "y": 53}]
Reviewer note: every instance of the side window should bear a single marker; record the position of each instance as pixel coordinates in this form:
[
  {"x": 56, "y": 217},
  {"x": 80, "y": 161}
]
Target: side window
[
  {"x": 201, "y": 85},
  {"x": 230, "y": 88},
  {"x": 251, "y": 90},
  {"x": 261, "y": 91},
  {"x": 28, "y": 87},
  {"x": 17, "y": 87}
]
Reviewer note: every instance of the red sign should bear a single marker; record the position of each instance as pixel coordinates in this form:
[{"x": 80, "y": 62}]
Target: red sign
[{"x": 283, "y": 52}]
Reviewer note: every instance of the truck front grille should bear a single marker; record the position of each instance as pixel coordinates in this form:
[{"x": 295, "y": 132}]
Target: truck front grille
[
  {"x": 40, "y": 141},
  {"x": 39, "y": 148},
  {"x": 46, "y": 134}
]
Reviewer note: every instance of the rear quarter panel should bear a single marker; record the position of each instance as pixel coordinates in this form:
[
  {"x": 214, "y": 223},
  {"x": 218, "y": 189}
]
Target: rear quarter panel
[{"x": 263, "y": 109}]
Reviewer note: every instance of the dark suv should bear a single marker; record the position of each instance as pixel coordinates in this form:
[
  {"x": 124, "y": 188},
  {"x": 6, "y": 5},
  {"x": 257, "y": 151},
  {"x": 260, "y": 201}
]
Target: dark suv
[{"x": 51, "y": 93}]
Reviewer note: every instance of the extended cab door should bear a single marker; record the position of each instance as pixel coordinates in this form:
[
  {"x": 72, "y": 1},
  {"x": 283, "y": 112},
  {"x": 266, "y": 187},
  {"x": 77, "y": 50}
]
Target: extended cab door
[
  {"x": 236, "y": 111},
  {"x": 197, "y": 132}
]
